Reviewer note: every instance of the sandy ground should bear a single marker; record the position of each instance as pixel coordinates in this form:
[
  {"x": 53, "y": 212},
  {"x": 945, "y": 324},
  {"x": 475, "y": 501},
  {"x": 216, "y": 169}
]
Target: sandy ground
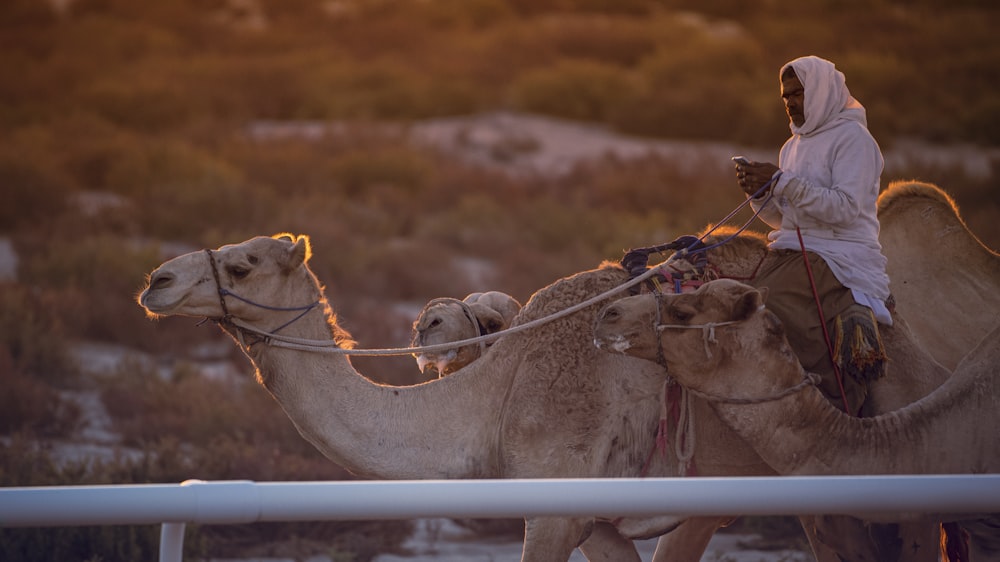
[{"x": 440, "y": 540}]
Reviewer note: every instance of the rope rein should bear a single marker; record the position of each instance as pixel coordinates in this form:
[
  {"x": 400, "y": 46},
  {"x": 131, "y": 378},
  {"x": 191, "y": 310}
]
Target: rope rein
[
  {"x": 822, "y": 321},
  {"x": 708, "y": 336},
  {"x": 271, "y": 337},
  {"x": 329, "y": 346},
  {"x": 808, "y": 379},
  {"x": 469, "y": 315}
]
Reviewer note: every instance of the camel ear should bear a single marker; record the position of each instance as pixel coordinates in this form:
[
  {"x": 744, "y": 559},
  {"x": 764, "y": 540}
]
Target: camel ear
[
  {"x": 298, "y": 253},
  {"x": 490, "y": 321},
  {"x": 764, "y": 291},
  {"x": 751, "y": 301}
]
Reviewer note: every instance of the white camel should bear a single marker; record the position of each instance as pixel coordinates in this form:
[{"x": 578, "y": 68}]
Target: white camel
[
  {"x": 444, "y": 320},
  {"x": 723, "y": 344}
]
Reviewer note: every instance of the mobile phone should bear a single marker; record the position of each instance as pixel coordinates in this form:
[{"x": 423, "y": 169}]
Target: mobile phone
[{"x": 741, "y": 160}]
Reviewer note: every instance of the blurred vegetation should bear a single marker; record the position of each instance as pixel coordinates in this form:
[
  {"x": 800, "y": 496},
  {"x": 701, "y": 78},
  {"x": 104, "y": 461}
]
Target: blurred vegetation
[
  {"x": 124, "y": 141},
  {"x": 24, "y": 462}
]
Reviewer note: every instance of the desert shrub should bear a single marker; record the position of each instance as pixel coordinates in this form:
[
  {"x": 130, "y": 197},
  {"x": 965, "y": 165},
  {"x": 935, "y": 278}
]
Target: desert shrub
[
  {"x": 682, "y": 95},
  {"x": 356, "y": 173},
  {"x": 383, "y": 90},
  {"x": 151, "y": 107},
  {"x": 146, "y": 406},
  {"x": 92, "y": 147},
  {"x": 29, "y": 405},
  {"x": 33, "y": 191},
  {"x": 176, "y": 185},
  {"x": 596, "y": 37},
  {"x": 101, "y": 261},
  {"x": 90, "y": 286},
  {"x": 19, "y": 13},
  {"x": 876, "y": 81},
  {"x": 582, "y": 90},
  {"x": 465, "y": 13},
  {"x": 24, "y": 463},
  {"x": 32, "y": 336},
  {"x": 157, "y": 162},
  {"x": 982, "y": 122},
  {"x": 476, "y": 223}
]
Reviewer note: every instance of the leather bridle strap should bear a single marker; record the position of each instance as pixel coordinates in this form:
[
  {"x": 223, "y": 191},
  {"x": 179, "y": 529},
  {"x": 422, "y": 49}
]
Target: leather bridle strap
[{"x": 218, "y": 286}]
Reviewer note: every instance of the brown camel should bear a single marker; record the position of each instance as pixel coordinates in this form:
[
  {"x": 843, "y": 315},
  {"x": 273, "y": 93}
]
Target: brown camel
[
  {"x": 514, "y": 397},
  {"x": 739, "y": 258},
  {"x": 723, "y": 344},
  {"x": 905, "y": 207},
  {"x": 538, "y": 404}
]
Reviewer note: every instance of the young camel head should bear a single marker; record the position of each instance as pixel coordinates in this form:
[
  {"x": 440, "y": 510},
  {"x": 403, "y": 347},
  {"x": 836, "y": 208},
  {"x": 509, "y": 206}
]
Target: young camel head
[
  {"x": 447, "y": 320},
  {"x": 721, "y": 325}
]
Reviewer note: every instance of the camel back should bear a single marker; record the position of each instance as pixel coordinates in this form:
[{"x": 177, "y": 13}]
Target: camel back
[
  {"x": 573, "y": 290},
  {"x": 899, "y": 191}
]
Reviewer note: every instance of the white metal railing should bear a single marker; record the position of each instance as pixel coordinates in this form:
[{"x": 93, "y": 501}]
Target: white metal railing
[{"x": 244, "y": 501}]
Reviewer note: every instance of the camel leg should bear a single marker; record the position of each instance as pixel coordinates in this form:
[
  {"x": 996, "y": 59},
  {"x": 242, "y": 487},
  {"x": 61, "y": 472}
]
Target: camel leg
[
  {"x": 919, "y": 541},
  {"x": 553, "y": 539},
  {"x": 687, "y": 543},
  {"x": 984, "y": 538},
  {"x": 839, "y": 537},
  {"x": 844, "y": 532},
  {"x": 606, "y": 544}
]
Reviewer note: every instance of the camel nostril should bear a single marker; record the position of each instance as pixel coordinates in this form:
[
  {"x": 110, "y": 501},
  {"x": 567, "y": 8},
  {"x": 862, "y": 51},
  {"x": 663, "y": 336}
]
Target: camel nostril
[{"x": 160, "y": 281}]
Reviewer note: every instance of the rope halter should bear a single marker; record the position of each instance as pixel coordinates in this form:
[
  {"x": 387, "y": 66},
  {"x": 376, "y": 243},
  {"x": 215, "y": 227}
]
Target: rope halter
[
  {"x": 708, "y": 336},
  {"x": 227, "y": 317}
]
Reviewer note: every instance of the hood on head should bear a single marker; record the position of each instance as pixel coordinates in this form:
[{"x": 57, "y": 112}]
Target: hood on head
[{"x": 827, "y": 99}]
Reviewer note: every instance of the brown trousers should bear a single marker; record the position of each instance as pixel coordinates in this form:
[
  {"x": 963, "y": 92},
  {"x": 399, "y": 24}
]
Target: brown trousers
[{"x": 791, "y": 298}]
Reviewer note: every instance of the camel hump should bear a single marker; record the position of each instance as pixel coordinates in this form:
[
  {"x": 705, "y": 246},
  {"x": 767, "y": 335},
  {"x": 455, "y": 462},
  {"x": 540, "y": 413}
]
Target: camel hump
[
  {"x": 922, "y": 209},
  {"x": 908, "y": 190}
]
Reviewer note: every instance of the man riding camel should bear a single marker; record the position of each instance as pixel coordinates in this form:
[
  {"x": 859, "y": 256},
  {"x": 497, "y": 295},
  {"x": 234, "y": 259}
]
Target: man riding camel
[{"x": 820, "y": 201}]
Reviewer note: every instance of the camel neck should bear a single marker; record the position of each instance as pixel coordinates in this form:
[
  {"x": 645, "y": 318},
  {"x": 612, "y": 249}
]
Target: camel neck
[
  {"x": 775, "y": 428},
  {"x": 376, "y": 430}
]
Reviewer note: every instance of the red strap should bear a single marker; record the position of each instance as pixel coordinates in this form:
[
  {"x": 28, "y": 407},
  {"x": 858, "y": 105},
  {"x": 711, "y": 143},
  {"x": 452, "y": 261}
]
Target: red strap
[{"x": 822, "y": 321}]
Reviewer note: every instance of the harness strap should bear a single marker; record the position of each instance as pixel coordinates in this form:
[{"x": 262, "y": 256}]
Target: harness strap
[
  {"x": 226, "y": 317},
  {"x": 822, "y": 322},
  {"x": 469, "y": 315}
]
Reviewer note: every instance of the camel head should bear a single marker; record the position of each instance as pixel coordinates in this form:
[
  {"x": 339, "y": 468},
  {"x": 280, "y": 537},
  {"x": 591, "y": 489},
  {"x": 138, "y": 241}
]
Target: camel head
[
  {"x": 721, "y": 323},
  {"x": 212, "y": 284},
  {"x": 447, "y": 320},
  {"x": 494, "y": 309}
]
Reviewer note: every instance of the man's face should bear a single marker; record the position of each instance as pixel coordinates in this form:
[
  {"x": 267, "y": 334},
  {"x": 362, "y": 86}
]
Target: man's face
[{"x": 793, "y": 95}]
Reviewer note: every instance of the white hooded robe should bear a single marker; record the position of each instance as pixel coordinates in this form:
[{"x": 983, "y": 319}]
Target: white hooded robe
[{"x": 829, "y": 184}]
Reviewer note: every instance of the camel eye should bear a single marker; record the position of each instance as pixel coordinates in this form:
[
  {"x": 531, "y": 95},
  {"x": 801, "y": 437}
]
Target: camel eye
[
  {"x": 435, "y": 323},
  {"x": 681, "y": 314},
  {"x": 238, "y": 272},
  {"x": 254, "y": 260}
]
